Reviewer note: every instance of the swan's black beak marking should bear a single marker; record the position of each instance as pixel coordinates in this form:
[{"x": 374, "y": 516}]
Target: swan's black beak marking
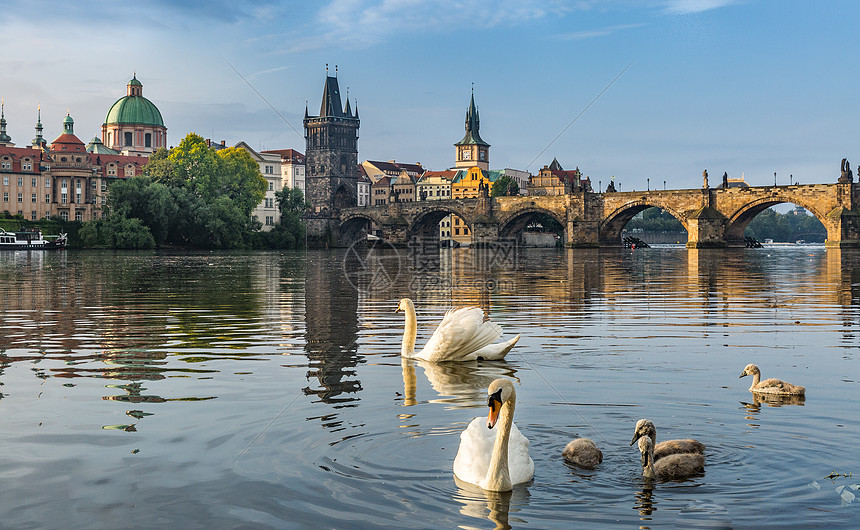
[
  {"x": 743, "y": 374},
  {"x": 636, "y": 436},
  {"x": 494, "y": 401}
]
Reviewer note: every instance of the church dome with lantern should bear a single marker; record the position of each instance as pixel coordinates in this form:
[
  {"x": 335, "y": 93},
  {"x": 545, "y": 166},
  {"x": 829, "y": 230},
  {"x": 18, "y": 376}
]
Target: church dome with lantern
[{"x": 133, "y": 124}]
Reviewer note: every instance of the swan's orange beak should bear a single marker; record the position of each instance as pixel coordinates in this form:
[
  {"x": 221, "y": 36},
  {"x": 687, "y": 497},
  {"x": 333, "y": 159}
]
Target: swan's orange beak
[{"x": 495, "y": 404}]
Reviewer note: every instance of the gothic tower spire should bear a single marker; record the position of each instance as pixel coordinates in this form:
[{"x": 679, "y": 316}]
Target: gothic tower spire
[{"x": 4, "y": 138}]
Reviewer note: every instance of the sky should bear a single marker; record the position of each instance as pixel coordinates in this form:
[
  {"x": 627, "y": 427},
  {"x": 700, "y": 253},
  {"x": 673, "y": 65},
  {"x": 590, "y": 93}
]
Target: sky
[{"x": 648, "y": 92}]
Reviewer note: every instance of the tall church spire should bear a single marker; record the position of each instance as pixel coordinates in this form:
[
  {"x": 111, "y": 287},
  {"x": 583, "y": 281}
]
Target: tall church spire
[
  {"x": 4, "y": 138},
  {"x": 38, "y": 141}
]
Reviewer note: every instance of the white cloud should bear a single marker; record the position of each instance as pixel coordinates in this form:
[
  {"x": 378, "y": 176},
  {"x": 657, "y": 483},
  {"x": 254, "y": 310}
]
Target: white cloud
[
  {"x": 599, "y": 32},
  {"x": 688, "y": 7}
]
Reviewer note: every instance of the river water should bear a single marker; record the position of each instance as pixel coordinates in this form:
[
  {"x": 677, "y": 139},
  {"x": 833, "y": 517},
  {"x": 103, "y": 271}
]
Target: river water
[{"x": 202, "y": 390}]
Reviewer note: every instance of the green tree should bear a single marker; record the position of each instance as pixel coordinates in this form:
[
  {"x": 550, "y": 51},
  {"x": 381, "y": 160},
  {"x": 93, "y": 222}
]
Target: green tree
[
  {"x": 290, "y": 230},
  {"x": 141, "y": 198},
  {"x": 127, "y": 233},
  {"x": 504, "y": 185},
  {"x": 240, "y": 179}
]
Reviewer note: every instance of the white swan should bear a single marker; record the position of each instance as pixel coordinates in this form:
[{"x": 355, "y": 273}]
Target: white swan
[
  {"x": 770, "y": 386},
  {"x": 667, "y": 447},
  {"x": 495, "y": 460},
  {"x": 463, "y": 335},
  {"x": 583, "y": 453},
  {"x": 671, "y": 467}
]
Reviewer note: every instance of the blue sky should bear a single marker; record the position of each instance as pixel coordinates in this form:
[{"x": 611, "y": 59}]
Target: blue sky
[{"x": 746, "y": 87}]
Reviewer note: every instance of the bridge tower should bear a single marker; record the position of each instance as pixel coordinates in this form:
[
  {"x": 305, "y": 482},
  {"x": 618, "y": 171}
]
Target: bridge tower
[
  {"x": 331, "y": 160},
  {"x": 472, "y": 150}
]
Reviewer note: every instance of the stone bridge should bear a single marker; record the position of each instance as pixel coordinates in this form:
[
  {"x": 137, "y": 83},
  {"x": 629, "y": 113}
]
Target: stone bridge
[{"x": 713, "y": 217}]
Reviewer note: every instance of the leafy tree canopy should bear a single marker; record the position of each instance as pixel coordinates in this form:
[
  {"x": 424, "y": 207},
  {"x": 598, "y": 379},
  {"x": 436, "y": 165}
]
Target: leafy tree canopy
[{"x": 504, "y": 185}]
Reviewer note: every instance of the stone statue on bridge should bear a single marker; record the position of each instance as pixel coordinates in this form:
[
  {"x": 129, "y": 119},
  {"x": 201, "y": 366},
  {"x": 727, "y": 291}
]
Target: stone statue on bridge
[
  {"x": 725, "y": 179},
  {"x": 847, "y": 177},
  {"x": 611, "y": 187},
  {"x": 705, "y": 179}
]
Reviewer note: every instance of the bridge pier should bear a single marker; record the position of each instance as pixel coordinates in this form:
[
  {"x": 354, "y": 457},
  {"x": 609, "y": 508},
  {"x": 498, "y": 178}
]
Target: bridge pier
[
  {"x": 706, "y": 228},
  {"x": 582, "y": 234},
  {"x": 846, "y": 228}
]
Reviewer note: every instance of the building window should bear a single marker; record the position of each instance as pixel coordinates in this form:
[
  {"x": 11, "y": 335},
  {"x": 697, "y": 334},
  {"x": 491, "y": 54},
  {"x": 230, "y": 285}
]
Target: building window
[
  {"x": 27, "y": 166},
  {"x": 20, "y": 197},
  {"x": 20, "y": 181},
  {"x": 147, "y": 140},
  {"x": 33, "y": 215},
  {"x": 64, "y": 216},
  {"x": 79, "y": 216},
  {"x": 33, "y": 198},
  {"x": 108, "y": 139},
  {"x": 128, "y": 138},
  {"x": 129, "y": 170},
  {"x": 34, "y": 182},
  {"x": 5, "y": 196},
  {"x": 64, "y": 199},
  {"x": 270, "y": 220},
  {"x": 112, "y": 170},
  {"x": 47, "y": 182},
  {"x": 6, "y": 180},
  {"x": 271, "y": 186},
  {"x": 5, "y": 165},
  {"x": 48, "y": 198}
]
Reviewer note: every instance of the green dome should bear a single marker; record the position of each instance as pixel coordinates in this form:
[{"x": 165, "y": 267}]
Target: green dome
[{"x": 134, "y": 110}]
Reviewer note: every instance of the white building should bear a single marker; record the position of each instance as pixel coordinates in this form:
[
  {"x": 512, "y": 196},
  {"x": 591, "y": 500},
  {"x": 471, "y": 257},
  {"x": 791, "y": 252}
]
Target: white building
[
  {"x": 267, "y": 211},
  {"x": 292, "y": 167},
  {"x": 363, "y": 187}
]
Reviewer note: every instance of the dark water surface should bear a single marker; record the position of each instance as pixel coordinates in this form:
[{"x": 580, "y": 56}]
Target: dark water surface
[{"x": 264, "y": 390}]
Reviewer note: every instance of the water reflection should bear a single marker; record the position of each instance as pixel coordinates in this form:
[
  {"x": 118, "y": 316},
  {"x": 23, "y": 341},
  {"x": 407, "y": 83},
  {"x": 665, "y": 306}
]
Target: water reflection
[
  {"x": 331, "y": 318},
  {"x": 458, "y": 384},
  {"x": 644, "y": 501},
  {"x": 497, "y": 507}
]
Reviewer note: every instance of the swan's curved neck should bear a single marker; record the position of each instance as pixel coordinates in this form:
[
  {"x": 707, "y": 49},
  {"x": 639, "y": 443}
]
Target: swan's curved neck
[
  {"x": 410, "y": 331},
  {"x": 756, "y": 379},
  {"x": 499, "y": 475},
  {"x": 648, "y": 469}
]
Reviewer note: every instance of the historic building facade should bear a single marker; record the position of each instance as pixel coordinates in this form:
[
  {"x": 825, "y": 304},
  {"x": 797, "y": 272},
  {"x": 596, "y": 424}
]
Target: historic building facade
[{"x": 61, "y": 179}]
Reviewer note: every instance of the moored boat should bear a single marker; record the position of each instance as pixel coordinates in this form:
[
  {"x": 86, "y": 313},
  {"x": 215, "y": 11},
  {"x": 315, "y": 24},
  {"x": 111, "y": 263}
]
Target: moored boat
[{"x": 30, "y": 240}]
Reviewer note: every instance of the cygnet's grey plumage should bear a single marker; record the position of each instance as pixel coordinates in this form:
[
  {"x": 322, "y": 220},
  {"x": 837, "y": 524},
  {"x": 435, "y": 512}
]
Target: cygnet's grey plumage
[
  {"x": 668, "y": 447},
  {"x": 670, "y": 467},
  {"x": 583, "y": 453},
  {"x": 770, "y": 386}
]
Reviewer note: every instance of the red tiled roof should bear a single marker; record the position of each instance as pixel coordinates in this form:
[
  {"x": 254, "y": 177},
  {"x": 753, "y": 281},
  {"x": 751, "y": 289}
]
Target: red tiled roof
[
  {"x": 67, "y": 142},
  {"x": 287, "y": 154}
]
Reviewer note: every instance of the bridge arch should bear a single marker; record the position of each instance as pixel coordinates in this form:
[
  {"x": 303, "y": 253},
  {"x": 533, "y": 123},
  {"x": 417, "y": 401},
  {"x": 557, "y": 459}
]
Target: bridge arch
[
  {"x": 355, "y": 226},
  {"x": 426, "y": 223},
  {"x": 741, "y": 218},
  {"x": 514, "y": 224},
  {"x": 613, "y": 224}
]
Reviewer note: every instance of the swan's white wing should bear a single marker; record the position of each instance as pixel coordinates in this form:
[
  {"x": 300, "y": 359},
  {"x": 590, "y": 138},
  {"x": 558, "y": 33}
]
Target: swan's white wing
[
  {"x": 476, "y": 447},
  {"x": 495, "y": 352},
  {"x": 462, "y": 332},
  {"x": 520, "y": 463}
]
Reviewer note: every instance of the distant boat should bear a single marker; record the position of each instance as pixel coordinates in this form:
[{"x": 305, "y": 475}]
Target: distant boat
[
  {"x": 30, "y": 240},
  {"x": 768, "y": 241},
  {"x": 800, "y": 242}
]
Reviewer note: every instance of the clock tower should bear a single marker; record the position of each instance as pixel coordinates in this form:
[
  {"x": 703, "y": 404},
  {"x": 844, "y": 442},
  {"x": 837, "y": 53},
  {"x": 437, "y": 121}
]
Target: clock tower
[{"x": 472, "y": 151}]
